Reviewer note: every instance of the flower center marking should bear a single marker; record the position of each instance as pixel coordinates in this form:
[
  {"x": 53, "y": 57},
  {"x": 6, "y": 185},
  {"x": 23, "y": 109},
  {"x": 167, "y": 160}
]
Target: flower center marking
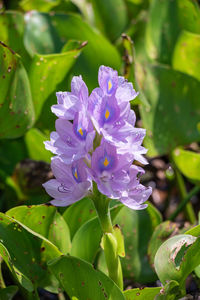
[
  {"x": 80, "y": 131},
  {"x": 75, "y": 174},
  {"x": 109, "y": 85},
  {"x": 106, "y": 162},
  {"x": 107, "y": 114}
]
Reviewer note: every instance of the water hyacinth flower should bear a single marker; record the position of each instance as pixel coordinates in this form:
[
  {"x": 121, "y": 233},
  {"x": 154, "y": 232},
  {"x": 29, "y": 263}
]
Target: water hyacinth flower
[{"x": 96, "y": 140}]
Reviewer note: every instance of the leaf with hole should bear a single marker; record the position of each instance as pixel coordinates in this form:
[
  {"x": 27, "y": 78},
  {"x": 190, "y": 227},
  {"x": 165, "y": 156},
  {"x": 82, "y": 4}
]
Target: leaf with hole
[{"x": 177, "y": 258}]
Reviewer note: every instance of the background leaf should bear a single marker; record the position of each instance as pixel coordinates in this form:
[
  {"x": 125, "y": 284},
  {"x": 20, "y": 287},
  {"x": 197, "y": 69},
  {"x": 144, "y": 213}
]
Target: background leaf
[
  {"x": 171, "y": 96},
  {"x": 186, "y": 56},
  {"x": 188, "y": 163},
  {"x": 34, "y": 140},
  {"x": 47, "y": 34},
  {"x": 16, "y": 100},
  {"x": 166, "y": 20}
]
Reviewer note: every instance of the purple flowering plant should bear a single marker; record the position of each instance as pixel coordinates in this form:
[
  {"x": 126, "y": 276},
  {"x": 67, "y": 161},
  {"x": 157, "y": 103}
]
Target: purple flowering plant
[{"x": 96, "y": 144}]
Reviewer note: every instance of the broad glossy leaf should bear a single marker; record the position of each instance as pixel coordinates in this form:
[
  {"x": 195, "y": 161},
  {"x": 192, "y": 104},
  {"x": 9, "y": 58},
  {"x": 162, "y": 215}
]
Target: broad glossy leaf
[
  {"x": 12, "y": 31},
  {"x": 40, "y": 5},
  {"x": 177, "y": 258},
  {"x": 46, "y": 72},
  {"x": 48, "y": 33},
  {"x": 174, "y": 111},
  {"x": 166, "y": 20},
  {"x": 161, "y": 233},
  {"x": 8, "y": 293},
  {"x": 186, "y": 56},
  {"x": 16, "y": 108},
  {"x": 137, "y": 228},
  {"x": 79, "y": 279},
  {"x": 46, "y": 221},
  {"x": 89, "y": 235},
  {"x": 142, "y": 294},
  {"x": 34, "y": 140},
  {"x": 106, "y": 13},
  {"x": 78, "y": 214},
  {"x": 26, "y": 254},
  {"x": 188, "y": 163}
]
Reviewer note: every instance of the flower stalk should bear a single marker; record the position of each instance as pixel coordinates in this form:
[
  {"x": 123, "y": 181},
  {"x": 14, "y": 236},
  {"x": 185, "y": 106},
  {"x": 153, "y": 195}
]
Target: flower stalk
[{"x": 109, "y": 242}]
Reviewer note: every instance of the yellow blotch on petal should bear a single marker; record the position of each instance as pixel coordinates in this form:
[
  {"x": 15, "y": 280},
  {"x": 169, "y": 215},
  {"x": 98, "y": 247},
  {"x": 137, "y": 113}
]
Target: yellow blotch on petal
[
  {"x": 76, "y": 175},
  {"x": 80, "y": 131},
  {"x": 109, "y": 85},
  {"x": 106, "y": 162},
  {"x": 107, "y": 113}
]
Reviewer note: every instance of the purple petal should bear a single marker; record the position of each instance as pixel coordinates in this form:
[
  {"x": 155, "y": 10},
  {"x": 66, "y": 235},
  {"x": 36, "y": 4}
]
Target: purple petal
[
  {"x": 108, "y": 79},
  {"x": 125, "y": 92}
]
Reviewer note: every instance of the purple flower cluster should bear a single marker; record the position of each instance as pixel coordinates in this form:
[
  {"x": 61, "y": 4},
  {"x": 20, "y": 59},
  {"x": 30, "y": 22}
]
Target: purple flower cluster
[{"x": 96, "y": 140}]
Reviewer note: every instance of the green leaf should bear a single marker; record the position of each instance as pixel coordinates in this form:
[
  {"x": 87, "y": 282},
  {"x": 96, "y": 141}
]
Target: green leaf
[
  {"x": 34, "y": 140},
  {"x": 26, "y": 254},
  {"x": 8, "y": 293},
  {"x": 46, "y": 72},
  {"x": 78, "y": 214},
  {"x": 161, "y": 233},
  {"x": 186, "y": 56},
  {"x": 15, "y": 96},
  {"x": 106, "y": 13},
  {"x": 79, "y": 279},
  {"x": 12, "y": 32},
  {"x": 142, "y": 294},
  {"x": 177, "y": 258},
  {"x": 89, "y": 235},
  {"x": 59, "y": 28},
  {"x": 173, "y": 99},
  {"x": 8, "y": 161},
  {"x": 188, "y": 163},
  {"x": 46, "y": 221},
  {"x": 40, "y": 5},
  {"x": 137, "y": 228},
  {"x": 170, "y": 291},
  {"x": 195, "y": 231},
  {"x": 166, "y": 20}
]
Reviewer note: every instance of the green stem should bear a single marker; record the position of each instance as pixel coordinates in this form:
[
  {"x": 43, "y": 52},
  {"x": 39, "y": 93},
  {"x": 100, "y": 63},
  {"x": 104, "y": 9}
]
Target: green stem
[
  {"x": 109, "y": 242},
  {"x": 2, "y": 283},
  {"x": 187, "y": 205},
  {"x": 193, "y": 192}
]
